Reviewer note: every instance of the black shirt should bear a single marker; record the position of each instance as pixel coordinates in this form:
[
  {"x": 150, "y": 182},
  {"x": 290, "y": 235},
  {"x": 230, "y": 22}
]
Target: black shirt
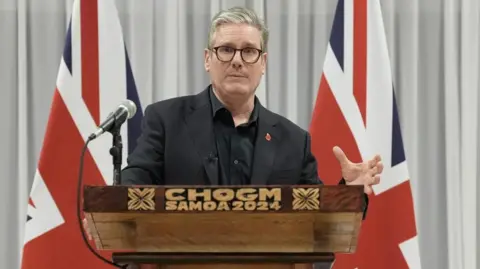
[{"x": 235, "y": 145}]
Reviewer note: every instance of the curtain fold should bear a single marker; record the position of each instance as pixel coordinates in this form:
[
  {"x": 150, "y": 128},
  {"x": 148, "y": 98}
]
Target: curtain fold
[
  {"x": 22, "y": 129},
  {"x": 470, "y": 71},
  {"x": 434, "y": 48}
]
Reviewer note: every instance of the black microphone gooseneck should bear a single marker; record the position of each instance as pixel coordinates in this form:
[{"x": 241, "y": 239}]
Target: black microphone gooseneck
[{"x": 116, "y": 152}]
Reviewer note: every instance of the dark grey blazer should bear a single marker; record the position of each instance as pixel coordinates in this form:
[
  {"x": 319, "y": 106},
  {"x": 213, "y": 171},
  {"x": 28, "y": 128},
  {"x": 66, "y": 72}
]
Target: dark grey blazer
[{"x": 177, "y": 147}]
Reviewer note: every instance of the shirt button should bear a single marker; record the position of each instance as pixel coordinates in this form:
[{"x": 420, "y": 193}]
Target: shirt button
[{"x": 235, "y": 162}]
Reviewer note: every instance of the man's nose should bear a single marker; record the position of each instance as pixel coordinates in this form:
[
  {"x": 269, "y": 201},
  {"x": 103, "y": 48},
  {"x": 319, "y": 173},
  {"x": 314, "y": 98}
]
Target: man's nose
[{"x": 237, "y": 60}]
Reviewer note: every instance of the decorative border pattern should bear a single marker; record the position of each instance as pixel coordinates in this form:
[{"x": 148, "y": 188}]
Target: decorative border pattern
[
  {"x": 141, "y": 199},
  {"x": 306, "y": 199}
]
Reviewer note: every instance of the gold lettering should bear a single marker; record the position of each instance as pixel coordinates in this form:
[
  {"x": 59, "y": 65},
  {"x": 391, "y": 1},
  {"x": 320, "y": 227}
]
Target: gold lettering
[
  {"x": 247, "y": 194},
  {"x": 194, "y": 194},
  {"x": 250, "y": 205},
  {"x": 262, "y": 205},
  {"x": 237, "y": 205},
  {"x": 182, "y": 206},
  {"x": 249, "y": 199},
  {"x": 275, "y": 205},
  {"x": 170, "y": 205},
  {"x": 224, "y": 194},
  {"x": 195, "y": 205},
  {"x": 174, "y": 194},
  {"x": 275, "y": 193},
  {"x": 223, "y": 206},
  {"x": 209, "y": 206}
]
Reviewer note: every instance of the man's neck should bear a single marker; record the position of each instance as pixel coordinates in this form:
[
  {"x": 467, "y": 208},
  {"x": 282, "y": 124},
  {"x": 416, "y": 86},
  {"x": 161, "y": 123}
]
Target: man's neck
[{"x": 240, "y": 108}]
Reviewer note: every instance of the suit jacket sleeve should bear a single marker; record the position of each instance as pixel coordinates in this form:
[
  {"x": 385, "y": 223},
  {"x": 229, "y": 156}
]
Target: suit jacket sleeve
[
  {"x": 309, "y": 175},
  {"x": 145, "y": 163}
]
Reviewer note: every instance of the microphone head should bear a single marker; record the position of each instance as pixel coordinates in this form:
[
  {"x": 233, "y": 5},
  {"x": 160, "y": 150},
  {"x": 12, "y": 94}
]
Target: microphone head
[{"x": 130, "y": 107}]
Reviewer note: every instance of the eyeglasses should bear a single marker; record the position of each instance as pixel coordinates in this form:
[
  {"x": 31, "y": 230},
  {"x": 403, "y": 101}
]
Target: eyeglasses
[{"x": 226, "y": 54}]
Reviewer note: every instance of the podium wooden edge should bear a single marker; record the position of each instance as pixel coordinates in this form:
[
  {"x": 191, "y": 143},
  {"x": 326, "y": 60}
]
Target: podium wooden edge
[
  {"x": 207, "y": 257},
  {"x": 242, "y": 260}
]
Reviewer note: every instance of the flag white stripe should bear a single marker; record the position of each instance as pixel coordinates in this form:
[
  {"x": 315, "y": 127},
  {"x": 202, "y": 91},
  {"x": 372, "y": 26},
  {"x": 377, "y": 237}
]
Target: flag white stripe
[
  {"x": 392, "y": 177},
  {"x": 379, "y": 89},
  {"x": 348, "y": 45},
  {"x": 84, "y": 121},
  {"x": 46, "y": 215},
  {"x": 346, "y": 102},
  {"x": 411, "y": 252}
]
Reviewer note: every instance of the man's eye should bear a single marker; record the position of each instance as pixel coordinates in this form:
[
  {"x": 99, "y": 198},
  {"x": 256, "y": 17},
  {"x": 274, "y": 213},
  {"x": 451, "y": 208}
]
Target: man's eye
[{"x": 226, "y": 49}]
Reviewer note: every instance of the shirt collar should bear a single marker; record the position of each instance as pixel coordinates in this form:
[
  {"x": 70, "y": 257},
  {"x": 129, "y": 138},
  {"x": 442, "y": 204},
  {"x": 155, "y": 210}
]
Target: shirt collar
[{"x": 217, "y": 106}]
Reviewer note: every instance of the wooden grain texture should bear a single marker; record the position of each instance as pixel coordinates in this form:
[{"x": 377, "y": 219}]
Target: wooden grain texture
[
  {"x": 206, "y": 232},
  {"x": 93, "y": 230},
  {"x": 343, "y": 198}
]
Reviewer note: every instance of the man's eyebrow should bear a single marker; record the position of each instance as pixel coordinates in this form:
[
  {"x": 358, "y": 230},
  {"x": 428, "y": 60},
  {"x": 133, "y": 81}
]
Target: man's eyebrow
[{"x": 244, "y": 45}]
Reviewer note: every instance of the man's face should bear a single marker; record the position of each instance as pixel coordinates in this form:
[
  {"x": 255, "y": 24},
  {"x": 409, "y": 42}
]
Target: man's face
[{"x": 236, "y": 76}]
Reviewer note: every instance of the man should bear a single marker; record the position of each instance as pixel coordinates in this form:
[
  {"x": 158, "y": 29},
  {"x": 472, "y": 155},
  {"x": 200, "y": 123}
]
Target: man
[{"x": 223, "y": 135}]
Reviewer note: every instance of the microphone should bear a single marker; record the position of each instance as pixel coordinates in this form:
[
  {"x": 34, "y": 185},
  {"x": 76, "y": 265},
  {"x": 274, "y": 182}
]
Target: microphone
[
  {"x": 126, "y": 110},
  {"x": 211, "y": 157}
]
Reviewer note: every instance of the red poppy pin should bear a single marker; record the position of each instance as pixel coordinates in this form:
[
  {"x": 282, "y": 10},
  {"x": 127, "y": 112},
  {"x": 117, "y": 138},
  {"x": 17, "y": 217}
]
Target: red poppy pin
[{"x": 268, "y": 137}]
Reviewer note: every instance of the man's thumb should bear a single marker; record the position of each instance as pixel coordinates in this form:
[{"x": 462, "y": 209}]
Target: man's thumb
[{"x": 340, "y": 155}]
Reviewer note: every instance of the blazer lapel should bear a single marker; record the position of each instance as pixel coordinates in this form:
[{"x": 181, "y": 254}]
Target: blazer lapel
[
  {"x": 267, "y": 141},
  {"x": 200, "y": 126}
]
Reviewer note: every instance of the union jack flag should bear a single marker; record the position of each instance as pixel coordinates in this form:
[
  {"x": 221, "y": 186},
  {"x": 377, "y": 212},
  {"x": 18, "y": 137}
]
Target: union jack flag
[
  {"x": 94, "y": 77},
  {"x": 356, "y": 110}
]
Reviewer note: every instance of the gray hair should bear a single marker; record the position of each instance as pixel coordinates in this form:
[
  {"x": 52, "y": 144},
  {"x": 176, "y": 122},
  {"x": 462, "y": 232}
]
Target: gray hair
[{"x": 238, "y": 15}]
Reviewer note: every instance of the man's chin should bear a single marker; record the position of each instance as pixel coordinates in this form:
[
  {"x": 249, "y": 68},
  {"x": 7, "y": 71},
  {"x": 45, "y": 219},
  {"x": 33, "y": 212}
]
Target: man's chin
[{"x": 237, "y": 89}]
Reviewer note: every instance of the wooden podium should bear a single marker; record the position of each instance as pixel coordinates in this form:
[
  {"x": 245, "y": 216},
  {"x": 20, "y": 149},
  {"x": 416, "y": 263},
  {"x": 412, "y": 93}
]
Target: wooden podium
[{"x": 224, "y": 227}]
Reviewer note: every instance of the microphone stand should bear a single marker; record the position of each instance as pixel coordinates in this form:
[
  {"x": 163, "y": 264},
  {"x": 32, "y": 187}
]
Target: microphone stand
[{"x": 116, "y": 152}]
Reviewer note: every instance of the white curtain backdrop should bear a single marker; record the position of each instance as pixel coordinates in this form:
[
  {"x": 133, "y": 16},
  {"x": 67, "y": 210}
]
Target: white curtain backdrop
[{"x": 435, "y": 52}]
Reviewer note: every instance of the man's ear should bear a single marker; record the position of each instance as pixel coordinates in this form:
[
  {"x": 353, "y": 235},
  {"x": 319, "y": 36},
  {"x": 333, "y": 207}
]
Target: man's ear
[{"x": 207, "y": 58}]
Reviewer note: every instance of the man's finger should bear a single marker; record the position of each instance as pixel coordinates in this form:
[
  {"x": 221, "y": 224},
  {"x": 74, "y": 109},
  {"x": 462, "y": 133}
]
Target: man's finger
[
  {"x": 379, "y": 167},
  {"x": 376, "y": 180},
  {"x": 371, "y": 163},
  {"x": 374, "y": 161},
  {"x": 367, "y": 189},
  {"x": 373, "y": 171},
  {"x": 340, "y": 155}
]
